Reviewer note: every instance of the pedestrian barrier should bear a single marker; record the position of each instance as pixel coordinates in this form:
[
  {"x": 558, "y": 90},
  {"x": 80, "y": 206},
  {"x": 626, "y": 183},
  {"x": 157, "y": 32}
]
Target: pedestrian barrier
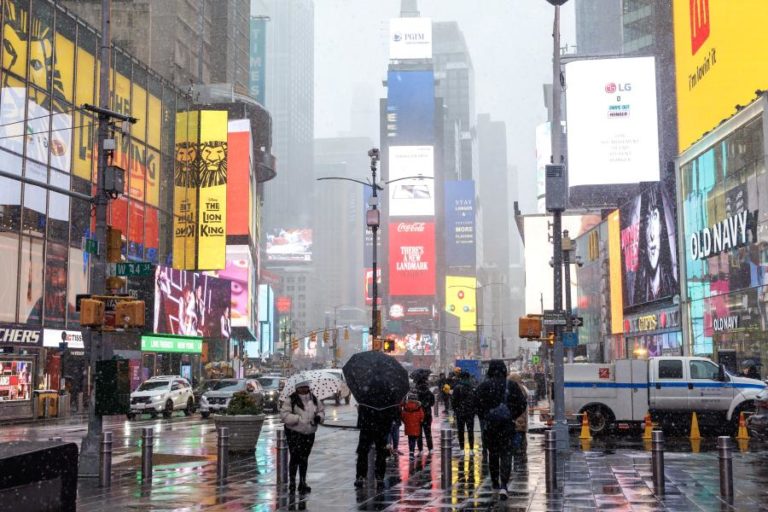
[
  {"x": 222, "y": 455},
  {"x": 550, "y": 460},
  {"x": 147, "y": 442},
  {"x": 105, "y": 462},
  {"x": 695, "y": 434},
  {"x": 282, "y": 458},
  {"x": 657, "y": 461},
  {"x": 725, "y": 457},
  {"x": 446, "y": 451},
  {"x": 585, "y": 434},
  {"x": 743, "y": 434},
  {"x": 647, "y": 431}
]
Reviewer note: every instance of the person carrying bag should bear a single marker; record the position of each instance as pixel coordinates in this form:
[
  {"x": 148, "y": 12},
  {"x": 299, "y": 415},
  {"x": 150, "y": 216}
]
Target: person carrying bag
[{"x": 301, "y": 414}]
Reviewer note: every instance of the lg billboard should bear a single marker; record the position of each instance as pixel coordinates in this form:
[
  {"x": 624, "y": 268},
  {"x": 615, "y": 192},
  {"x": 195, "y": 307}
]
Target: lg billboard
[
  {"x": 612, "y": 121},
  {"x": 409, "y": 194},
  {"x": 411, "y": 258}
]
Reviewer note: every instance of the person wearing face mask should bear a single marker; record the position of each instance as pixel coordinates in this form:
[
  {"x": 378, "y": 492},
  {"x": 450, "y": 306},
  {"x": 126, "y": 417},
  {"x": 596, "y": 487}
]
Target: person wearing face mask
[{"x": 301, "y": 413}]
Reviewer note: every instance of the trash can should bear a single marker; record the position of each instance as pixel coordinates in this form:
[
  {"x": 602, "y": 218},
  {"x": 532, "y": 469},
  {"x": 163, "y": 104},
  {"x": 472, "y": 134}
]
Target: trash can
[{"x": 46, "y": 402}]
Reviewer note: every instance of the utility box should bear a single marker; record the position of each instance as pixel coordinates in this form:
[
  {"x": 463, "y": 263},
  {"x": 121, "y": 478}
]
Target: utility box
[
  {"x": 556, "y": 198},
  {"x": 114, "y": 180},
  {"x": 113, "y": 387}
]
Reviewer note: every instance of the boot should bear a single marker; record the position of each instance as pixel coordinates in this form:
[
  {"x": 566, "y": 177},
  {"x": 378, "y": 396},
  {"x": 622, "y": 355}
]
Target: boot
[{"x": 304, "y": 488}]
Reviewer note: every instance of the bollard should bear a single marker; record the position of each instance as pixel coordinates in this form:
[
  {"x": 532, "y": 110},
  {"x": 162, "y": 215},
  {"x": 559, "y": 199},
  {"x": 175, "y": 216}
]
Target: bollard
[
  {"x": 446, "y": 452},
  {"x": 725, "y": 456},
  {"x": 105, "y": 462},
  {"x": 222, "y": 455},
  {"x": 550, "y": 460},
  {"x": 657, "y": 460},
  {"x": 282, "y": 458},
  {"x": 147, "y": 441},
  {"x": 437, "y": 404}
]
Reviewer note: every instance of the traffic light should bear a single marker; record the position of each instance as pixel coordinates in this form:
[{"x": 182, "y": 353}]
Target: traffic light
[
  {"x": 326, "y": 337},
  {"x": 91, "y": 313},
  {"x": 346, "y": 334},
  {"x": 295, "y": 344},
  {"x": 388, "y": 345},
  {"x": 114, "y": 245},
  {"x": 530, "y": 327},
  {"x": 551, "y": 339},
  {"x": 129, "y": 313}
]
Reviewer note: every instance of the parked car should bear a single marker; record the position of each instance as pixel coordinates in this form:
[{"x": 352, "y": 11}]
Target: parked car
[
  {"x": 217, "y": 399},
  {"x": 201, "y": 388},
  {"x": 162, "y": 394},
  {"x": 757, "y": 423},
  {"x": 272, "y": 385},
  {"x": 345, "y": 394}
]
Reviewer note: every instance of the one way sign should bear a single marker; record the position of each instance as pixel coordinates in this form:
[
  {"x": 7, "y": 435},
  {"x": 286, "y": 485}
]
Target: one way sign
[{"x": 577, "y": 321}]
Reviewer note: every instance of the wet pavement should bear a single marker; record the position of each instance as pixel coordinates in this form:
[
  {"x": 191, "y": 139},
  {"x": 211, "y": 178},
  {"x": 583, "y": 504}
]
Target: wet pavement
[{"x": 600, "y": 477}]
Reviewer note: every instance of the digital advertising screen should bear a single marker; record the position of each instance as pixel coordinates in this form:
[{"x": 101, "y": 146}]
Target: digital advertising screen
[
  {"x": 613, "y": 133},
  {"x": 289, "y": 245},
  {"x": 412, "y": 258},
  {"x": 191, "y": 304},
  {"x": 411, "y": 181},
  {"x": 648, "y": 247},
  {"x": 410, "y": 38},
  {"x": 461, "y": 300},
  {"x": 238, "y": 272},
  {"x": 460, "y": 223},
  {"x": 410, "y": 108}
]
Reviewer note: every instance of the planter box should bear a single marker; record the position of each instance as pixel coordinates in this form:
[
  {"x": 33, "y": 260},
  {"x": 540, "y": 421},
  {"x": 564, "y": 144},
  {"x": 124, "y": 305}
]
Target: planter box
[{"x": 244, "y": 430}]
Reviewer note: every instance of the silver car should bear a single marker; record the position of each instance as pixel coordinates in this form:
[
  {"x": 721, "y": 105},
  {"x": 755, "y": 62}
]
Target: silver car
[{"x": 217, "y": 399}]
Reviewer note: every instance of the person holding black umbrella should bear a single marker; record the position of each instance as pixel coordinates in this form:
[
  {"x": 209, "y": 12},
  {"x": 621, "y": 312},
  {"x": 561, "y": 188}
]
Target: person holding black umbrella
[{"x": 375, "y": 426}]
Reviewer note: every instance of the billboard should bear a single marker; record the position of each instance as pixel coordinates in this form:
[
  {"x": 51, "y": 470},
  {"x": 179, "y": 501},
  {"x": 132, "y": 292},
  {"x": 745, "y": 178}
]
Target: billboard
[
  {"x": 239, "y": 201},
  {"x": 410, "y": 107},
  {"x": 461, "y": 300},
  {"x": 410, "y": 38},
  {"x": 719, "y": 61},
  {"x": 185, "y": 190},
  {"x": 289, "y": 245},
  {"x": 412, "y": 258},
  {"x": 411, "y": 197},
  {"x": 191, "y": 304},
  {"x": 613, "y": 134},
  {"x": 266, "y": 319},
  {"x": 648, "y": 247},
  {"x": 258, "y": 59},
  {"x": 614, "y": 272},
  {"x": 460, "y": 223},
  {"x": 238, "y": 272}
]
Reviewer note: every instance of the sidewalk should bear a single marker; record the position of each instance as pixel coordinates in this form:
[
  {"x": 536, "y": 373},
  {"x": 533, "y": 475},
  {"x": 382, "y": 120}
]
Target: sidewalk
[{"x": 620, "y": 480}]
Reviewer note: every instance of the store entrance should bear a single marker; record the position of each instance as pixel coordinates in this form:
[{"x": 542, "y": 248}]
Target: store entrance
[{"x": 750, "y": 350}]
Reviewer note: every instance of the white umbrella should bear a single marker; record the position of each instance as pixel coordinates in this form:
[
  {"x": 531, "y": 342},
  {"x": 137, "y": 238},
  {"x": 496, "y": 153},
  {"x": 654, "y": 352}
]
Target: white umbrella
[{"x": 321, "y": 384}]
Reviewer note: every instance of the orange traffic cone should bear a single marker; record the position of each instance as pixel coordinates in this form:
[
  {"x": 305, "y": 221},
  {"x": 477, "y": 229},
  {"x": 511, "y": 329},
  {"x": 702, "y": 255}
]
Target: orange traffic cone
[
  {"x": 695, "y": 434},
  {"x": 648, "y": 428},
  {"x": 743, "y": 434},
  {"x": 585, "y": 434}
]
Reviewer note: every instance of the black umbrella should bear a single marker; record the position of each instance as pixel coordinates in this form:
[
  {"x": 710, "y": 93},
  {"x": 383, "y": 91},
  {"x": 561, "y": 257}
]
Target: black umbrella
[
  {"x": 376, "y": 379},
  {"x": 420, "y": 374}
]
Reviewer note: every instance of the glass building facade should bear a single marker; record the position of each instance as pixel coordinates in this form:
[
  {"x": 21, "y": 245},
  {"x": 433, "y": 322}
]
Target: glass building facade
[{"x": 724, "y": 219}]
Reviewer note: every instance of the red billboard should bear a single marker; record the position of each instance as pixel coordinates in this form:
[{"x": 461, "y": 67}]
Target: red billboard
[
  {"x": 412, "y": 258},
  {"x": 238, "y": 178}
]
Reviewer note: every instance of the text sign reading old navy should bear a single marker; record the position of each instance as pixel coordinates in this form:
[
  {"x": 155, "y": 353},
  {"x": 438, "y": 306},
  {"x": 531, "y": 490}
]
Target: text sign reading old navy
[{"x": 725, "y": 235}]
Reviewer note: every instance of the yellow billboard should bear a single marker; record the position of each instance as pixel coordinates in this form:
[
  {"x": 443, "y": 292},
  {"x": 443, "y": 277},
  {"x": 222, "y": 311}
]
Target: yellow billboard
[
  {"x": 185, "y": 191},
  {"x": 720, "y": 53},
  {"x": 614, "y": 271},
  {"x": 461, "y": 300},
  {"x": 212, "y": 190}
]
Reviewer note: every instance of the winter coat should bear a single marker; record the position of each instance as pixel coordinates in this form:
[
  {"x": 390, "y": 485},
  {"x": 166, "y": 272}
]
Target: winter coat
[
  {"x": 413, "y": 416},
  {"x": 299, "y": 418},
  {"x": 426, "y": 398},
  {"x": 490, "y": 392},
  {"x": 521, "y": 422},
  {"x": 375, "y": 420},
  {"x": 464, "y": 400}
]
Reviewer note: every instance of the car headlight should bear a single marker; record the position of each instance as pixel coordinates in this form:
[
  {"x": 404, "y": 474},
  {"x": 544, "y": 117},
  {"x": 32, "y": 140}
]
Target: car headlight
[
  {"x": 157, "y": 397},
  {"x": 203, "y": 400}
]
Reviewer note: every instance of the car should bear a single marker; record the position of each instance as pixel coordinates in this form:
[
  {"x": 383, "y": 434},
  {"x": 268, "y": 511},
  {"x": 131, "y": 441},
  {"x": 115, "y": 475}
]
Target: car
[
  {"x": 162, "y": 394},
  {"x": 201, "y": 388},
  {"x": 217, "y": 399},
  {"x": 272, "y": 385},
  {"x": 345, "y": 394}
]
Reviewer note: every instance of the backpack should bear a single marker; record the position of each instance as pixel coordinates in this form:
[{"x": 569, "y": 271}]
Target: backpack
[{"x": 500, "y": 417}]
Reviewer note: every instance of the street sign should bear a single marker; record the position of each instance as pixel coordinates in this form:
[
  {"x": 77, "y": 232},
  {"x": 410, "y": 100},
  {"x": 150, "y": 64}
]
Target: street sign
[
  {"x": 551, "y": 317},
  {"x": 134, "y": 269},
  {"x": 577, "y": 321},
  {"x": 570, "y": 339},
  {"x": 91, "y": 246},
  {"x": 535, "y": 359}
]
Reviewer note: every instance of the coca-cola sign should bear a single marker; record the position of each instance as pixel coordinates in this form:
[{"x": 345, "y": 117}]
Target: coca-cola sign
[{"x": 411, "y": 227}]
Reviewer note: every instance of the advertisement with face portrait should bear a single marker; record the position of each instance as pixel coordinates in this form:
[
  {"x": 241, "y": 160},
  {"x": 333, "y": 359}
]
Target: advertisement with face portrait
[
  {"x": 648, "y": 247},
  {"x": 409, "y": 195},
  {"x": 289, "y": 245},
  {"x": 412, "y": 258},
  {"x": 191, "y": 304},
  {"x": 238, "y": 271}
]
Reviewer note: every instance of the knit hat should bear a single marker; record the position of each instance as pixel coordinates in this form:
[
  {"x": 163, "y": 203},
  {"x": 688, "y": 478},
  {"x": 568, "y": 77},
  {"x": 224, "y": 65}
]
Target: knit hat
[{"x": 303, "y": 384}]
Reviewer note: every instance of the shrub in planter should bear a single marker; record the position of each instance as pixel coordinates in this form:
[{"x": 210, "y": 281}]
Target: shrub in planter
[{"x": 244, "y": 419}]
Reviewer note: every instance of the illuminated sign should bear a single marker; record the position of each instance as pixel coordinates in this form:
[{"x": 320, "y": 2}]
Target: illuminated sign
[
  {"x": 183, "y": 344},
  {"x": 412, "y": 258},
  {"x": 409, "y": 195},
  {"x": 663, "y": 320},
  {"x": 461, "y": 300},
  {"x": 725, "y": 235}
]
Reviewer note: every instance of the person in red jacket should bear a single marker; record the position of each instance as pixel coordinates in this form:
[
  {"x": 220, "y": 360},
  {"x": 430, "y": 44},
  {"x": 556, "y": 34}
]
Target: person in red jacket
[{"x": 413, "y": 416}]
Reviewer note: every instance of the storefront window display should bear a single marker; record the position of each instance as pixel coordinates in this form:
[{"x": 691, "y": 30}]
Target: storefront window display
[
  {"x": 724, "y": 188},
  {"x": 15, "y": 380}
]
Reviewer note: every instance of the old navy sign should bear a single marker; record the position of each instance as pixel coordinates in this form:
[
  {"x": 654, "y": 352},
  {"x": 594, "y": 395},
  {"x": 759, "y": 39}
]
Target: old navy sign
[
  {"x": 725, "y": 235},
  {"x": 725, "y": 323}
]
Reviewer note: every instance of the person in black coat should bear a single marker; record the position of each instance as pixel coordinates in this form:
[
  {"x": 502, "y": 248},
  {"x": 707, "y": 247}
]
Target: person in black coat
[
  {"x": 375, "y": 426},
  {"x": 497, "y": 436},
  {"x": 427, "y": 400},
  {"x": 464, "y": 407}
]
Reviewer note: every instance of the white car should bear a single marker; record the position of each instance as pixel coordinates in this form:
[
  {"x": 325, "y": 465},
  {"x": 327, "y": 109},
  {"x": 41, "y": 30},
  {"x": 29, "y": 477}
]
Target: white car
[
  {"x": 345, "y": 394},
  {"x": 162, "y": 394},
  {"x": 216, "y": 400}
]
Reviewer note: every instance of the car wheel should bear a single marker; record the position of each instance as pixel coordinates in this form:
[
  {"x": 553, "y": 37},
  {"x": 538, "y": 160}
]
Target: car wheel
[
  {"x": 168, "y": 411},
  {"x": 130, "y": 416},
  {"x": 600, "y": 420},
  {"x": 205, "y": 414},
  {"x": 190, "y": 407}
]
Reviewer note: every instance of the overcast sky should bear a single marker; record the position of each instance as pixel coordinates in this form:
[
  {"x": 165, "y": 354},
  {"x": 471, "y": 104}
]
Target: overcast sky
[{"x": 511, "y": 46}]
